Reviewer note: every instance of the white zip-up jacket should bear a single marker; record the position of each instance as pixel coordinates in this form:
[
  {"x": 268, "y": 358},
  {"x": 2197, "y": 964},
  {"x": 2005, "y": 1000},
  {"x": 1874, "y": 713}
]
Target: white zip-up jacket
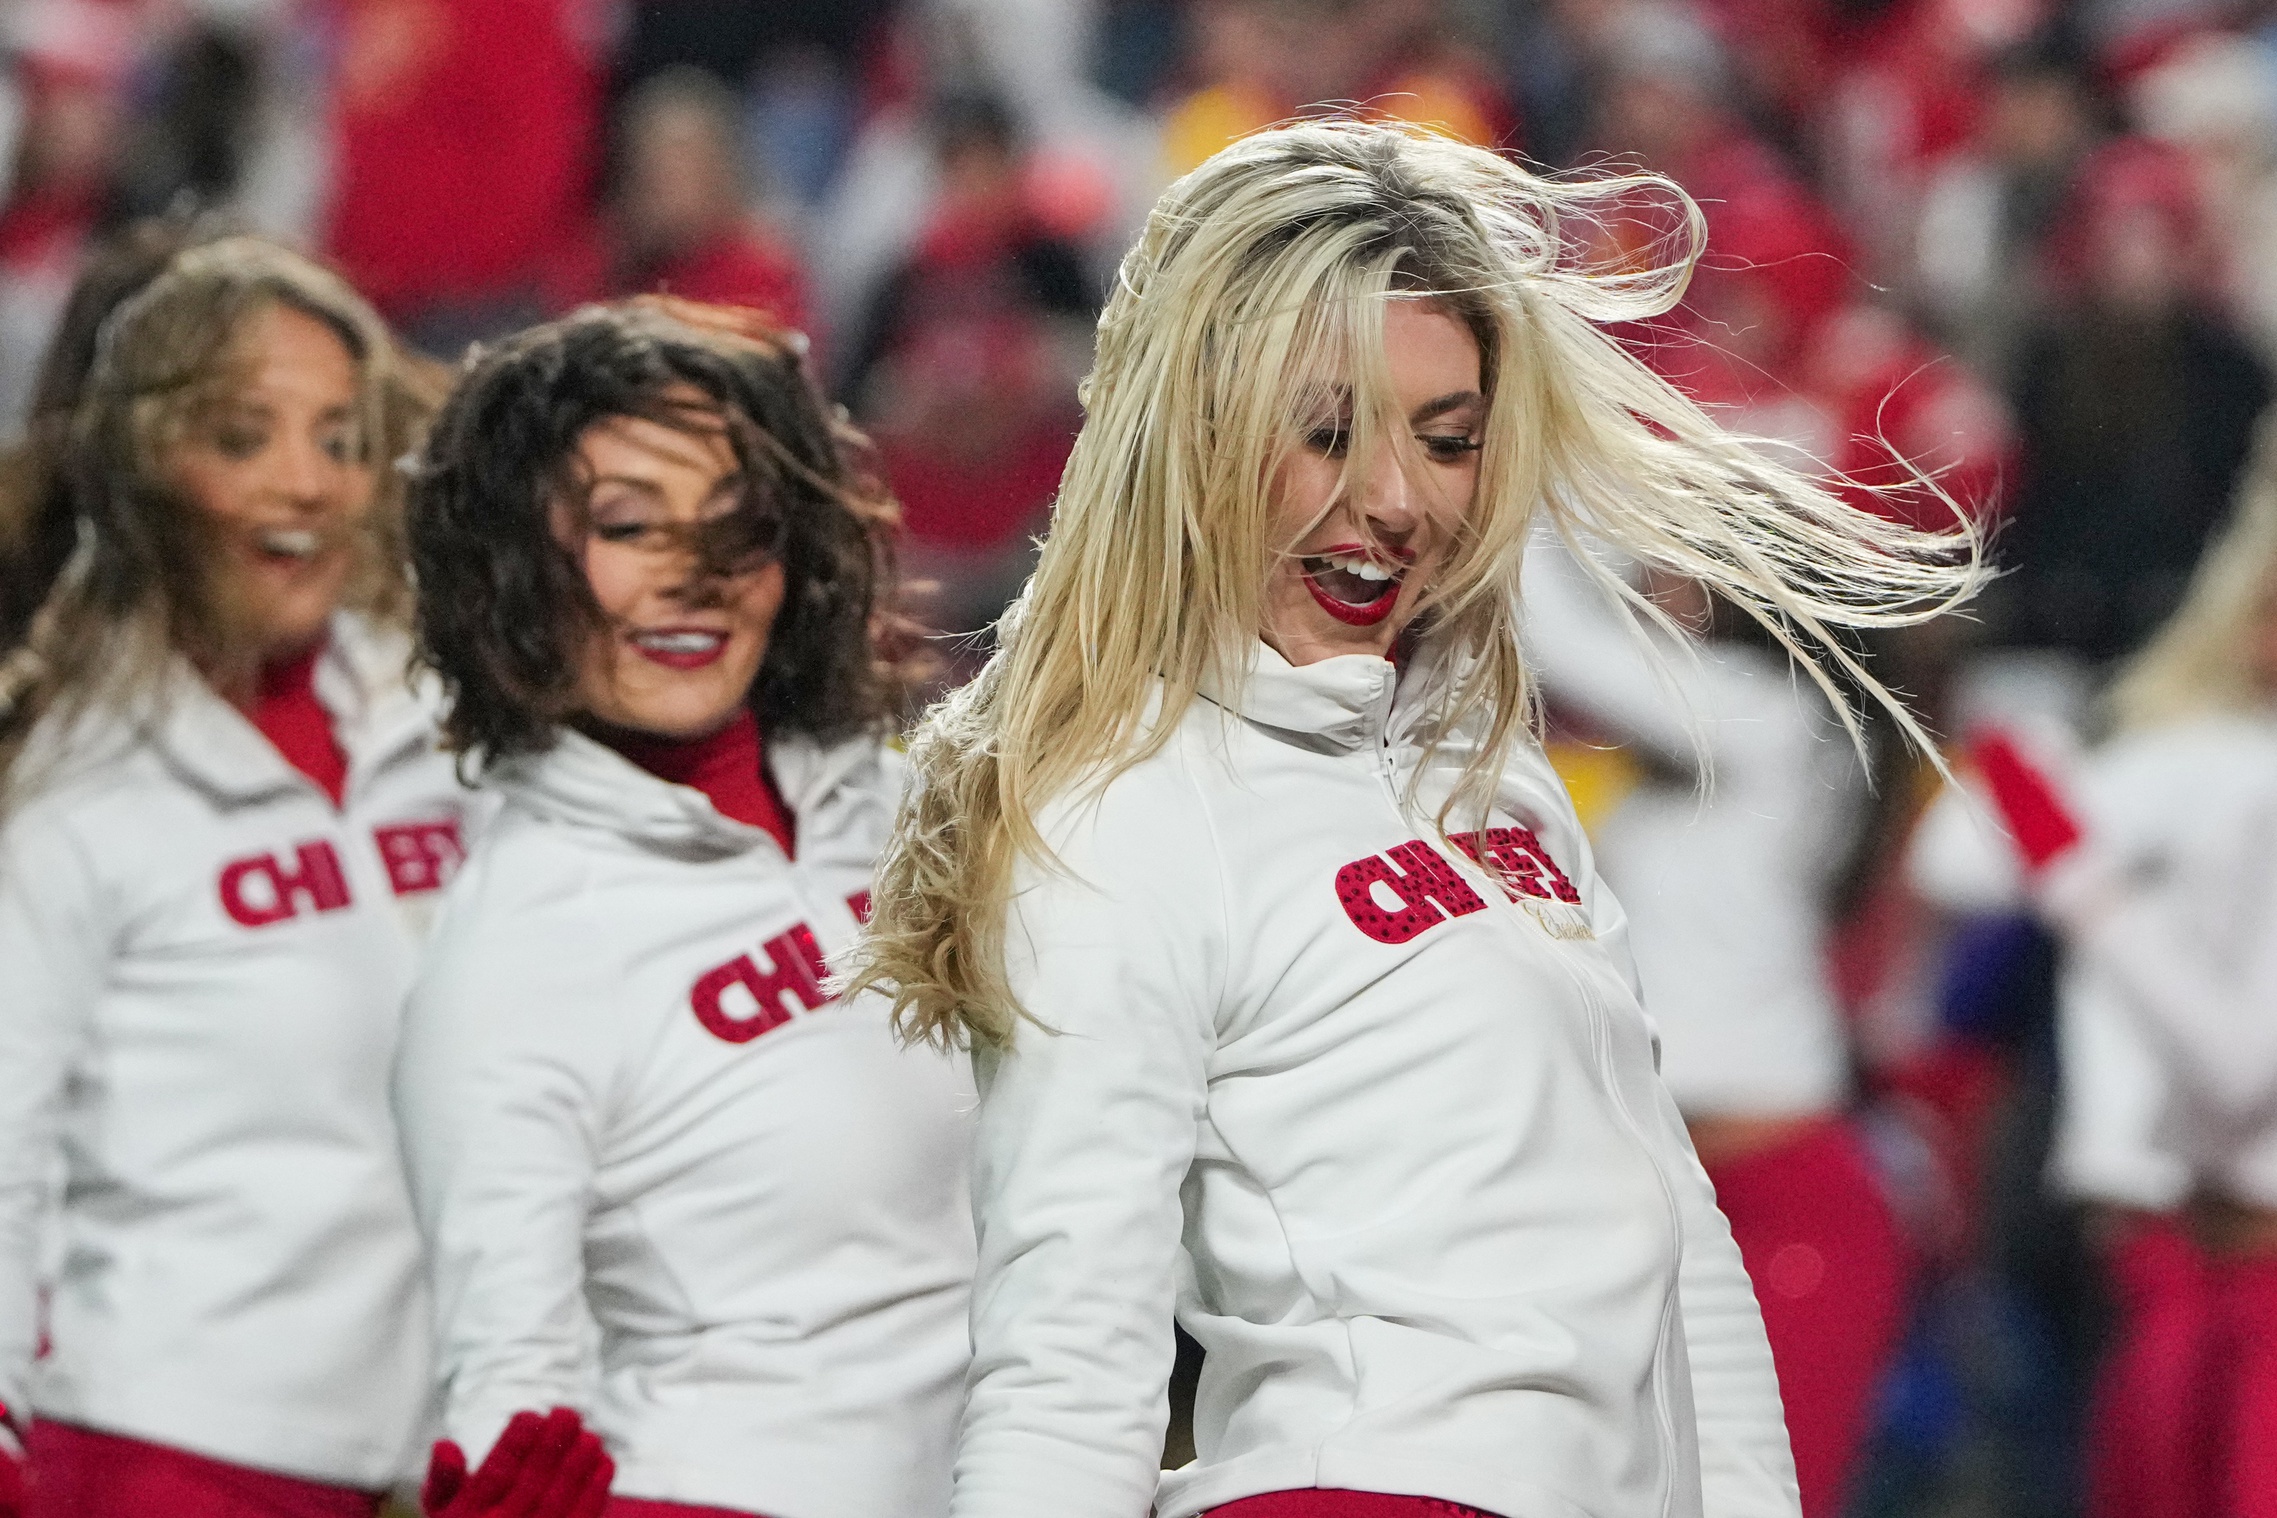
[
  {"x": 2161, "y": 807},
  {"x": 1384, "y": 1131},
  {"x": 2170, "y": 917},
  {"x": 1724, "y": 884},
  {"x": 202, "y": 965},
  {"x": 626, "y": 1101}
]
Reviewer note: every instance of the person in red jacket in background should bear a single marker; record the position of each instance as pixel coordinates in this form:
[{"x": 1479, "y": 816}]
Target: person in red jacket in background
[
  {"x": 679, "y": 222},
  {"x": 465, "y": 141}
]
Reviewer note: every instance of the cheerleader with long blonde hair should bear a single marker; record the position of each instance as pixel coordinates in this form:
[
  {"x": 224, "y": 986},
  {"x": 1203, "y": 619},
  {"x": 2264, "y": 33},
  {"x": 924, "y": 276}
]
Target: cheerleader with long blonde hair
[
  {"x": 2156, "y": 866},
  {"x": 1299, "y": 1012}
]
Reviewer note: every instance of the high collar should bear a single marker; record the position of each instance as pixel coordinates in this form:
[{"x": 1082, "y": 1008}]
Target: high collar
[
  {"x": 359, "y": 679},
  {"x": 588, "y": 784},
  {"x": 1347, "y": 702}
]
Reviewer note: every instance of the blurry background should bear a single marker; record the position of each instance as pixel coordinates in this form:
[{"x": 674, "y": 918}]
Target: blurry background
[{"x": 2029, "y": 244}]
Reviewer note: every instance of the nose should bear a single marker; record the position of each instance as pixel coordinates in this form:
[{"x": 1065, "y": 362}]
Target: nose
[
  {"x": 1386, "y": 495},
  {"x": 310, "y": 477}
]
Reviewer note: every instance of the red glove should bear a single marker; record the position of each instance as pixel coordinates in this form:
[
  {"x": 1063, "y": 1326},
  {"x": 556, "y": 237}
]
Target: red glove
[
  {"x": 2028, "y": 801},
  {"x": 547, "y": 1467}
]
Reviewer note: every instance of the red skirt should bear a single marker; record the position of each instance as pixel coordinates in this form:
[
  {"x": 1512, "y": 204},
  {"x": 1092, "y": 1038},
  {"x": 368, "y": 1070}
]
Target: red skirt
[
  {"x": 2245, "y": 1386},
  {"x": 1331, "y": 1502},
  {"x": 1831, "y": 1275},
  {"x": 81, "y": 1473}
]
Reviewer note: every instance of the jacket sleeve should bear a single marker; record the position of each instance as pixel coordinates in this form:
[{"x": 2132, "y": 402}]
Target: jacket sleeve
[
  {"x": 1085, "y": 1135},
  {"x": 1624, "y": 674},
  {"x": 1747, "y": 1469},
  {"x": 56, "y": 941},
  {"x": 501, "y": 1081},
  {"x": 2205, "y": 1011}
]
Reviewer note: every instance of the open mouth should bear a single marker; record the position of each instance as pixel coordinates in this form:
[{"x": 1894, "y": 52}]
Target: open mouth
[
  {"x": 1353, "y": 584},
  {"x": 680, "y": 647},
  {"x": 289, "y": 545}
]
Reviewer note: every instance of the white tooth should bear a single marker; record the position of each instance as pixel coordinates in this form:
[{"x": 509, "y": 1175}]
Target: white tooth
[
  {"x": 680, "y": 643},
  {"x": 1371, "y": 571},
  {"x": 299, "y": 542}
]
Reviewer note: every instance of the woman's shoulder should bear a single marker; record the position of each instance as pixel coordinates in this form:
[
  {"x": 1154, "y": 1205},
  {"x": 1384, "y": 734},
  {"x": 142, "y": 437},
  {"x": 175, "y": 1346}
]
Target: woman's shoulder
[{"x": 2180, "y": 767}]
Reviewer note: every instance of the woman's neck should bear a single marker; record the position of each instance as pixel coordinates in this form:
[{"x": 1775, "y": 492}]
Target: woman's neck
[{"x": 729, "y": 767}]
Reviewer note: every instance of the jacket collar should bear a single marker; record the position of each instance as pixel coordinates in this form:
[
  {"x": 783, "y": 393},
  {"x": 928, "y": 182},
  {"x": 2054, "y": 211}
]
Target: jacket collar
[
  {"x": 1346, "y": 703},
  {"x": 584, "y": 783},
  {"x": 378, "y": 715}
]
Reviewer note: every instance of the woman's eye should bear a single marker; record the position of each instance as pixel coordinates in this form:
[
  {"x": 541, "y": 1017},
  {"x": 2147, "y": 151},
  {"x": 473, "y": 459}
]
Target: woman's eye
[
  {"x": 1331, "y": 440},
  {"x": 620, "y": 532},
  {"x": 237, "y": 442},
  {"x": 340, "y": 447},
  {"x": 1448, "y": 448}
]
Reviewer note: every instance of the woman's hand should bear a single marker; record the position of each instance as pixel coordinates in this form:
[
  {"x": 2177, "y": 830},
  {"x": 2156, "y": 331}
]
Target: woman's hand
[{"x": 541, "y": 1467}]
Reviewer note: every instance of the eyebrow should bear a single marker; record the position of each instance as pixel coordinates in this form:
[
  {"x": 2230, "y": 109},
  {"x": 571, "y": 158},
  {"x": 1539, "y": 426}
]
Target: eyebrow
[
  {"x": 734, "y": 479},
  {"x": 1453, "y": 400}
]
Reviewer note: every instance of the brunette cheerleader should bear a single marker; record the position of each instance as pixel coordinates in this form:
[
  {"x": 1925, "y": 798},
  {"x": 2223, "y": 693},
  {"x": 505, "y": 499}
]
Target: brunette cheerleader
[
  {"x": 1299, "y": 1009},
  {"x": 223, "y": 808},
  {"x": 650, "y": 571}
]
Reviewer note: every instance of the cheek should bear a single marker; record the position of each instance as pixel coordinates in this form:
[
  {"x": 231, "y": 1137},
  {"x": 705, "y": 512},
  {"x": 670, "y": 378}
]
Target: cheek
[
  {"x": 1302, "y": 491},
  {"x": 760, "y": 600},
  {"x": 618, "y": 577},
  {"x": 213, "y": 489}
]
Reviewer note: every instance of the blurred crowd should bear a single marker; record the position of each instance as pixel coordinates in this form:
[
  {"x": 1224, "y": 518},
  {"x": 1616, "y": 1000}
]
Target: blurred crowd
[{"x": 2016, "y": 258}]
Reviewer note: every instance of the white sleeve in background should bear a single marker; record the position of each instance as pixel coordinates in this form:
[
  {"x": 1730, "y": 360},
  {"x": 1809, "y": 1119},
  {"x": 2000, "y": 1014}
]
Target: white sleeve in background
[
  {"x": 1592, "y": 657},
  {"x": 1085, "y": 1137},
  {"x": 55, "y": 942},
  {"x": 500, "y": 1084},
  {"x": 2211, "y": 1018}
]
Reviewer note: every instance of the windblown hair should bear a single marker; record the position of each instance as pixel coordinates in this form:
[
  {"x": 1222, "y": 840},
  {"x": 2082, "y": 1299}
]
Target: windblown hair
[
  {"x": 504, "y": 606},
  {"x": 103, "y": 564},
  {"x": 2202, "y": 660},
  {"x": 1254, "y": 300}
]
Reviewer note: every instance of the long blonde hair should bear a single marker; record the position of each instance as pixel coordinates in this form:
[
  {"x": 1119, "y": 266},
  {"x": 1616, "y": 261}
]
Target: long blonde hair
[
  {"x": 1257, "y": 274},
  {"x": 130, "y": 590},
  {"x": 2200, "y": 661}
]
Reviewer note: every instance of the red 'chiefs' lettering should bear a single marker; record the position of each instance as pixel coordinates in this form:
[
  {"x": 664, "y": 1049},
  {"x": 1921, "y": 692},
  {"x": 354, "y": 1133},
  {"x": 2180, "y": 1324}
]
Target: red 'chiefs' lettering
[
  {"x": 738, "y": 1001},
  {"x": 1419, "y": 877},
  {"x": 420, "y": 856},
  {"x": 1516, "y": 858},
  {"x": 258, "y": 891}
]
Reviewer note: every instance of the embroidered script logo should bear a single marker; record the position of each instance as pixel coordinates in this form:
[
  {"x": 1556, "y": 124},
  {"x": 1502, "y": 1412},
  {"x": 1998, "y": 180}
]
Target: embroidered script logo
[{"x": 1395, "y": 895}]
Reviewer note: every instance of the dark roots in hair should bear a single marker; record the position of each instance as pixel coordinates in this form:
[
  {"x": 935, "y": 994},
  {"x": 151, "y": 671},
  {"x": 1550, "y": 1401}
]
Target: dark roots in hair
[{"x": 503, "y": 604}]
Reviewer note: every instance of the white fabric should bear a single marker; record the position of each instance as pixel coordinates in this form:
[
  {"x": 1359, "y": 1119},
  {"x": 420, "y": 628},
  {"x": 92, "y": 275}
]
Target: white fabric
[
  {"x": 1425, "y": 1204},
  {"x": 2166, "y": 1042},
  {"x": 2170, "y": 916},
  {"x": 1724, "y": 878},
  {"x": 772, "y": 1235},
  {"x": 240, "y": 1270}
]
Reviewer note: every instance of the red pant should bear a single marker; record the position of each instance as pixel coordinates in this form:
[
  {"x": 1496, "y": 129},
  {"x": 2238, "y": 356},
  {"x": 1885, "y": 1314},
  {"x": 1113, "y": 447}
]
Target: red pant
[
  {"x": 80, "y": 1473},
  {"x": 1329, "y": 1502},
  {"x": 1830, "y": 1271},
  {"x": 2244, "y": 1386},
  {"x": 2149, "y": 1444}
]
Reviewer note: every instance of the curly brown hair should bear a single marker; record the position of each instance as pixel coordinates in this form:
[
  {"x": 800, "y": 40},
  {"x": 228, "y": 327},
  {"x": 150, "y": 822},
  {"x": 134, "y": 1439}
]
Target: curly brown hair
[{"x": 503, "y": 604}]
